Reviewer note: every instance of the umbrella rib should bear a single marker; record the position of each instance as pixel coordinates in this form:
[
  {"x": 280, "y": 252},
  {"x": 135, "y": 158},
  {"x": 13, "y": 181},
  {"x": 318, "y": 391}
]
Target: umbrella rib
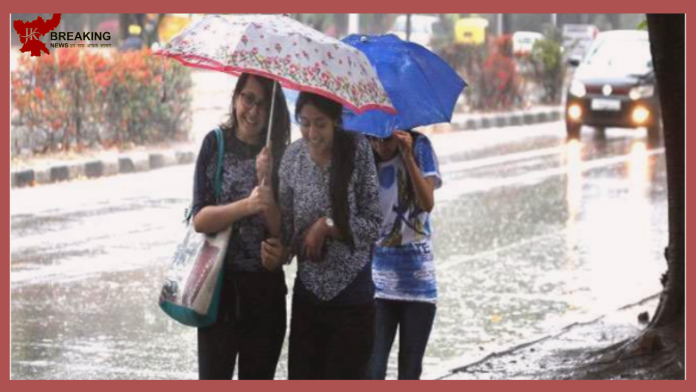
[{"x": 439, "y": 104}]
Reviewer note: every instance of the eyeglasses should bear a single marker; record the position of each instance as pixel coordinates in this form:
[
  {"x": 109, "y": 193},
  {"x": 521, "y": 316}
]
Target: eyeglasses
[{"x": 249, "y": 101}]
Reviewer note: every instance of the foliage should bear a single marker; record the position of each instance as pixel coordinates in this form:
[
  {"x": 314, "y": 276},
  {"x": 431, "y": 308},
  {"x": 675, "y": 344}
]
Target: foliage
[{"x": 74, "y": 98}]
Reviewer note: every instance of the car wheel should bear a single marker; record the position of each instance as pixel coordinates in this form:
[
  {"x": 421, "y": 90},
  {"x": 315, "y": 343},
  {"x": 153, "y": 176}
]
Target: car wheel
[{"x": 573, "y": 130}]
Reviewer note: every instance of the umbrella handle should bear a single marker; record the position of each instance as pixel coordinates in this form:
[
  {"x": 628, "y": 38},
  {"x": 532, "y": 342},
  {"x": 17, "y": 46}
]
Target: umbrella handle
[{"x": 270, "y": 122}]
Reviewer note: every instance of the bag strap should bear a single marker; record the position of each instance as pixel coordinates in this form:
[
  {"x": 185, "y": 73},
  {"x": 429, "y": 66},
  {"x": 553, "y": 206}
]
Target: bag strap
[
  {"x": 217, "y": 184},
  {"x": 217, "y": 181}
]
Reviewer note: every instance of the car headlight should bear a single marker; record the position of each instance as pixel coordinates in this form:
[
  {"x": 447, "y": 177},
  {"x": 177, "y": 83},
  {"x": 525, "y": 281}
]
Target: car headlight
[
  {"x": 639, "y": 92},
  {"x": 574, "y": 112},
  {"x": 640, "y": 115},
  {"x": 577, "y": 88}
]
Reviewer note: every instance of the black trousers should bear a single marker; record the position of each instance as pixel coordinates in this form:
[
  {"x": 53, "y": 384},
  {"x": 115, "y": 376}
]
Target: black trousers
[
  {"x": 251, "y": 325},
  {"x": 330, "y": 342}
]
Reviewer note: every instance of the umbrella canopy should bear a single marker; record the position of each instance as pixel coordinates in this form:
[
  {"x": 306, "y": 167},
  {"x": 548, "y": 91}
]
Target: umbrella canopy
[
  {"x": 422, "y": 86},
  {"x": 285, "y": 50}
]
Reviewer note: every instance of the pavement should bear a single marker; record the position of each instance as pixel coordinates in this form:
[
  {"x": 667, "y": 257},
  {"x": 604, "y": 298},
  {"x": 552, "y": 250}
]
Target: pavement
[
  {"x": 40, "y": 171},
  {"x": 583, "y": 350}
]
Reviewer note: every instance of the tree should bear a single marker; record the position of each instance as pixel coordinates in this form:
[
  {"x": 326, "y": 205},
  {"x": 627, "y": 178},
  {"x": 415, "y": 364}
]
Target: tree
[
  {"x": 667, "y": 46},
  {"x": 660, "y": 348}
]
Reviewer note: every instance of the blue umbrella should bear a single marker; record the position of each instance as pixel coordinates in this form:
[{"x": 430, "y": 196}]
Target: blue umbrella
[{"x": 422, "y": 87}]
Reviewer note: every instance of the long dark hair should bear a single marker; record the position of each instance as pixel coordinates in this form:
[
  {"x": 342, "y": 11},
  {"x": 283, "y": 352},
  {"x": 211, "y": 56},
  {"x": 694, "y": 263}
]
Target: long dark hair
[
  {"x": 342, "y": 157},
  {"x": 280, "y": 134}
]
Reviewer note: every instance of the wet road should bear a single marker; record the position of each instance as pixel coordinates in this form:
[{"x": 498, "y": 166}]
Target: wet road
[{"x": 531, "y": 234}]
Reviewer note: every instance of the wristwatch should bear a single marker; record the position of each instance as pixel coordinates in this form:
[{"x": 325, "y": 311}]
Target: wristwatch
[{"x": 329, "y": 223}]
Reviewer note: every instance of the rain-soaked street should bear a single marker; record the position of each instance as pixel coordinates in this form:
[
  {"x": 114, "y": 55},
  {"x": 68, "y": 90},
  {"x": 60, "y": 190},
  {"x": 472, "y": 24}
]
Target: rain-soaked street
[{"x": 531, "y": 234}]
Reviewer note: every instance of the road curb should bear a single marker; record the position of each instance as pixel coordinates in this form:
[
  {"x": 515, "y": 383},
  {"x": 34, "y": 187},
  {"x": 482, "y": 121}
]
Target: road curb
[
  {"x": 142, "y": 161},
  {"x": 511, "y": 119},
  {"x": 102, "y": 167}
]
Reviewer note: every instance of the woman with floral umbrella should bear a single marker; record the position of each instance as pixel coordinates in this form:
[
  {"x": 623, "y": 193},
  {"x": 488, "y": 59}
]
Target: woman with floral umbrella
[{"x": 251, "y": 322}]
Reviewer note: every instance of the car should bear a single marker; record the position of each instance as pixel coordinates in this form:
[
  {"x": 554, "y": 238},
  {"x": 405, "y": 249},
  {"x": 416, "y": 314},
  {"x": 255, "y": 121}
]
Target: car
[{"x": 614, "y": 86}]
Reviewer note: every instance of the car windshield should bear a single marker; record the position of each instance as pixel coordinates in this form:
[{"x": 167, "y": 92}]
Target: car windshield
[{"x": 632, "y": 56}]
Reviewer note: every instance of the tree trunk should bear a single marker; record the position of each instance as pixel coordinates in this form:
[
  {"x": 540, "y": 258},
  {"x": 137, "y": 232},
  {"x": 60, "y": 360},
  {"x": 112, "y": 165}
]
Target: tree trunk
[{"x": 667, "y": 46}]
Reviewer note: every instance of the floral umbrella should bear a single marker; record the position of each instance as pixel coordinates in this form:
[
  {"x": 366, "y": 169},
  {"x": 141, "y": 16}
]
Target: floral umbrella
[{"x": 285, "y": 50}]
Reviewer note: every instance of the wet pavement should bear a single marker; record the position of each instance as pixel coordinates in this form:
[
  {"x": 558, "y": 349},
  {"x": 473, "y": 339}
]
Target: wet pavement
[
  {"x": 531, "y": 234},
  {"x": 580, "y": 351}
]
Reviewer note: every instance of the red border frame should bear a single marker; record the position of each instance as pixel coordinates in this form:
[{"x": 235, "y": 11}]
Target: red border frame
[{"x": 82, "y": 6}]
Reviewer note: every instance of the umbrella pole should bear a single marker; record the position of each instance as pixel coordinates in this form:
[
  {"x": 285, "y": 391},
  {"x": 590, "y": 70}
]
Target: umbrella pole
[
  {"x": 270, "y": 120},
  {"x": 270, "y": 123}
]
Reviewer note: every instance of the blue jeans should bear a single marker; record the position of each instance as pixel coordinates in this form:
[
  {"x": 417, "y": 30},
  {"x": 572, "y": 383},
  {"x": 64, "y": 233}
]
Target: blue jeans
[{"x": 414, "y": 321}]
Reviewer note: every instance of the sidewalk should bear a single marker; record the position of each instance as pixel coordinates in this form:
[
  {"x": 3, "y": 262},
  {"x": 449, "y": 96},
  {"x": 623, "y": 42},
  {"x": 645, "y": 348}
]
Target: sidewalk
[
  {"x": 575, "y": 352},
  {"x": 42, "y": 171}
]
